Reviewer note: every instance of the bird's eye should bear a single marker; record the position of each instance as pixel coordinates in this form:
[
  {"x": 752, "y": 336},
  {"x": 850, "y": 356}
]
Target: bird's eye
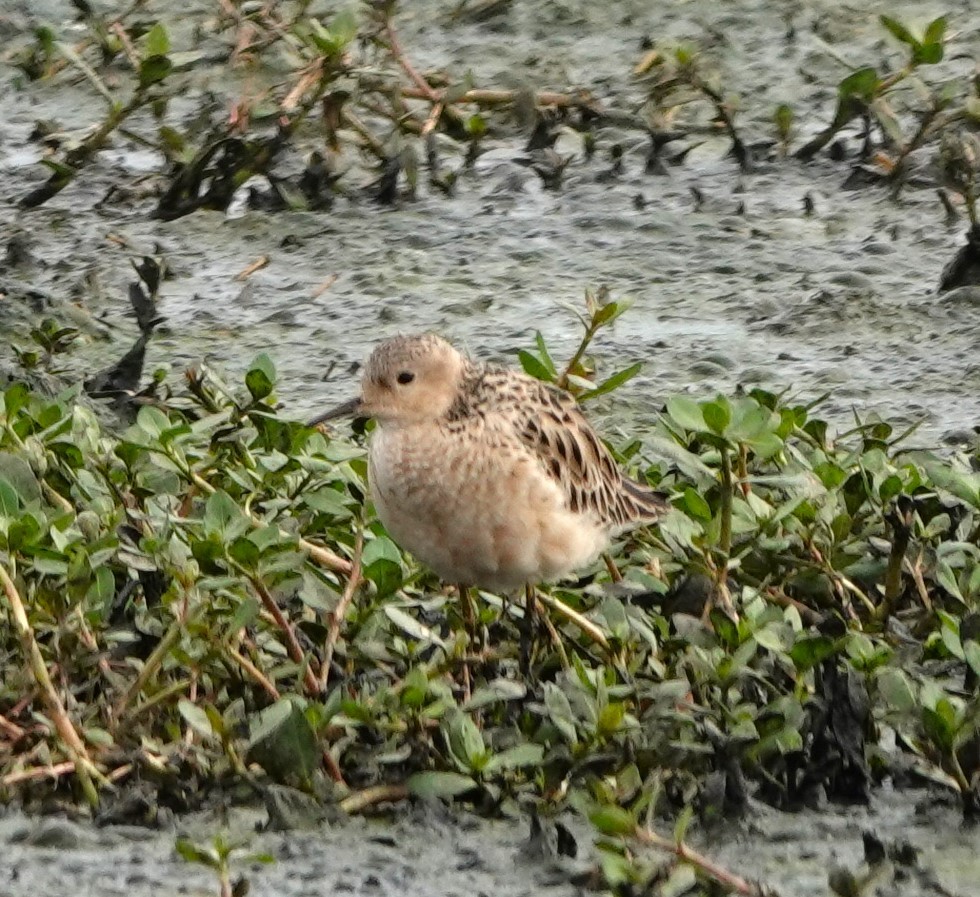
[{"x": 405, "y": 377}]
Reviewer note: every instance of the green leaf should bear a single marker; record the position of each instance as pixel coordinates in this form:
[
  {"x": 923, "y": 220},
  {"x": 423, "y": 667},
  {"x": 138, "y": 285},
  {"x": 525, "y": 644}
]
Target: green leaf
[
  {"x": 614, "y": 382},
  {"x": 515, "y": 758},
  {"x": 947, "y": 579},
  {"x": 444, "y": 785},
  {"x": 101, "y": 591},
  {"x": 783, "y": 118},
  {"x": 283, "y": 742},
  {"x": 896, "y": 689},
  {"x": 498, "y": 690},
  {"x": 890, "y": 487},
  {"x": 245, "y": 552},
  {"x": 810, "y": 651},
  {"x": 535, "y": 367},
  {"x": 717, "y": 415},
  {"x": 15, "y": 398},
  {"x": 190, "y": 852},
  {"x": 612, "y": 820},
  {"x": 9, "y": 500},
  {"x": 928, "y": 54},
  {"x": 261, "y": 377},
  {"x": 196, "y": 717},
  {"x": 694, "y": 505},
  {"x": 152, "y": 420},
  {"x": 343, "y": 27},
  {"x": 412, "y": 627},
  {"x": 860, "y": 84},
  {"x": 686, "y": 413},
  {"x": 560, "y": 712},
  {"x": 682, "y": 823},
  {"x": 154, "y": 69},
  {"x": 380, "y": 548},
  {"x": 606, "y": 314},
  {"x": 157, "y": 41},
  {"x": 937, "y": 726},
  {"x": 465, "y": 741},
  {"x": 899, "y": 30},
  {"x": 18, "y": 474},
  {"x": 544, "y": 354},
  {"x": 971, "y": 653},
  {"x": 381, "y": 562},
  {"x": 222, "y": 516},
  {"x": 935, "y": 32}
]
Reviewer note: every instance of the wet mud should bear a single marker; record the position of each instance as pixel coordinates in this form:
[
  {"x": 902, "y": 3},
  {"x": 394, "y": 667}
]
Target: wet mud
[{"x": 733, "y": 281}]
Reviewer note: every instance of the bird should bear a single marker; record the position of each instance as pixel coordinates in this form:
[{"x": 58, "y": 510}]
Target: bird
[{"x": 490, "y": 477}]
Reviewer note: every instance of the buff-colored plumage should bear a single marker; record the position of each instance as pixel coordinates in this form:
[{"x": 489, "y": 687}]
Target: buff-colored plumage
[{"x": 486, "y": 475}]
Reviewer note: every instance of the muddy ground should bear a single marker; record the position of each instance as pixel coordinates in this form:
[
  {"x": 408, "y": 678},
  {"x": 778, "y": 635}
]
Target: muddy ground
[
  {"x": 740, "y": 288},
  {"x": 433, "y": 850}
]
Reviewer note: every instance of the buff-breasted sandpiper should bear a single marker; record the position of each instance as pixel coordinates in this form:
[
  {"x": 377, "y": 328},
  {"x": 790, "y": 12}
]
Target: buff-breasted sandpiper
[{"x": 489, "y": 477}]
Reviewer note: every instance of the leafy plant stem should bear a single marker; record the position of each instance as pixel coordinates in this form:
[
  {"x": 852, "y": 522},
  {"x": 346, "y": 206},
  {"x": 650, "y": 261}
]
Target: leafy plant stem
[
  {"x": 340, "y": 611},
  {"x": 901, "y": 526},
  {"x": 583, "y": 623},
  {"x": 323, "y": 556},
  {"x": 727, "y": 488},
  {"x": 296, "y": 653},
  {"x": 152, "y": 664},
  {"x": 361, "y": 800},
  {"x": 590, "y": 331},
  {"x": 74, "y": 746},
  {"x": 395, "y": 47},
  {"x": 241, "y": 660},
  {"x": 706, "y": 867}
]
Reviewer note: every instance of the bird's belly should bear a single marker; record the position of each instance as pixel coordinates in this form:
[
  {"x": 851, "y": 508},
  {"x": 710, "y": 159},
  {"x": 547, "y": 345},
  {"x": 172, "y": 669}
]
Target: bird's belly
[{"x": 490, "y": 519}]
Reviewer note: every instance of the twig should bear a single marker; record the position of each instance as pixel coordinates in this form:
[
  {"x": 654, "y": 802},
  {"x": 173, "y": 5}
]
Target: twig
[
  {"x": 340, "y": 611},
  {"x": 899, "y": 519},
  {"x": 252, "y": 671},
  {"x": 373, "y": 144},
  {"x": 11, "y": 730},
  {"x": 583, "y": 623},
  {"x": 296, "y": 653},
  {"x": 428, "y": 92},
  {"x": 252, "y": 267},
  {"x": 134, "y": 60},
  {"x": 492, "y": 97},
  {"x": 192, "y": 697},
  {"x": 152, "y": 664},
  {"x": 75, "y": 747},
  {"x": 707, "y": 867},
  {"x": 360, "y": 800},
  {"x": 38, "y": 772},
  {"x": 307, "y": 79},
  {"x": 725, "y": 534},
  {"x": 329, "y": 282}
]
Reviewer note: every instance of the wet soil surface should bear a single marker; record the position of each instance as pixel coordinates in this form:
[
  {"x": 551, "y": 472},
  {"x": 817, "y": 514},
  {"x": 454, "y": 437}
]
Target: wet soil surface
[
  {"x": 740, "y": 287},
  {"x": 427, "y": 850}
]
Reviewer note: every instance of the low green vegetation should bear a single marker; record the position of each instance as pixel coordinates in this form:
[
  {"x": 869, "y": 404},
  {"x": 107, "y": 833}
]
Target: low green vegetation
[
  {"x": 197, "y": 595},
  {"x": 204, "y": 597}
]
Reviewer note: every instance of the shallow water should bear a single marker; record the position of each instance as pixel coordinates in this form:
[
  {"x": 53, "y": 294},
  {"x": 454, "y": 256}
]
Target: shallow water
[{"x": 842, "y": 300}]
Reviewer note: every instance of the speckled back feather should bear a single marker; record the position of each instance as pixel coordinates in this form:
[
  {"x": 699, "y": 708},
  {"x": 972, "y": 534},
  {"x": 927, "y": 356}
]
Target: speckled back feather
[{"x": 551, "y": 426}]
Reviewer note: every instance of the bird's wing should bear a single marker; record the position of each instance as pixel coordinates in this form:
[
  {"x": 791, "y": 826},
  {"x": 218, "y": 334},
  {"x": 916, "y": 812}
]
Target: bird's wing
[{"x": 552, "y": 427}]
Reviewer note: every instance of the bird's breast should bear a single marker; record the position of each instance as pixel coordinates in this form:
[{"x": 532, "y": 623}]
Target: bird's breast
[{"x": 476, "y": 508}]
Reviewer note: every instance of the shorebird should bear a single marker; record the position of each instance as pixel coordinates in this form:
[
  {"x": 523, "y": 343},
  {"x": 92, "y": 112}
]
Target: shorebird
[{"x": 488, "y": 476}]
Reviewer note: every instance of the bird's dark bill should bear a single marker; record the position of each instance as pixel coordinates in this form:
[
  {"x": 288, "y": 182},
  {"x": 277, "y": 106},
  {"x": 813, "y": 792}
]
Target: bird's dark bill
[{"x": 350, "y": 408}]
